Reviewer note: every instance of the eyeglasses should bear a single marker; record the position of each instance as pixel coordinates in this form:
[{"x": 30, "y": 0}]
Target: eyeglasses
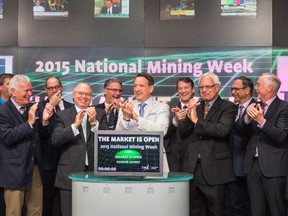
[
  {"x": 237, "y": 89},
  {"x": 84, "y": 94},
  {"x": 208, "y": 87},
  {"x": 53, "y": 88},
  {"x": 115, "y": 90}
]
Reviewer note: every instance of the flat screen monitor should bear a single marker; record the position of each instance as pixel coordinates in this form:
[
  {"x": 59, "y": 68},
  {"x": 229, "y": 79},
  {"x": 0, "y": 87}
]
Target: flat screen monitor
[
  {"x": 111, "y": 8},
  {"x": 46, "y": 9},
  {"x": 128, "y": 154}
]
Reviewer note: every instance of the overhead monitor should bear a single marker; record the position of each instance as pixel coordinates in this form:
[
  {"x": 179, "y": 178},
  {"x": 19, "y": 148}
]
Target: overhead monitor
[
  {"x": 239, "y": 8},
  {"x": 46, "y": 9},
  {"x": 111, "y": 8},
  {"x": 128, "y": 154}
]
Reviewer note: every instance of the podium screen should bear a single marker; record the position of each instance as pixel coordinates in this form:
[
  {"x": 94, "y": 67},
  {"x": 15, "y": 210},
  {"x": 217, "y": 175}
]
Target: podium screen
[{"x": 127, "y": 153}]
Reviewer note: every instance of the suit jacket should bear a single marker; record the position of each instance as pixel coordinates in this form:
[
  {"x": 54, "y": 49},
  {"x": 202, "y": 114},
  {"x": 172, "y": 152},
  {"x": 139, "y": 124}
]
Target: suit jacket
[
  {"x": 102, "y": 106},
  {"x": 209, "y": 138},
  {"x": 73, "y": 148},
  {"x": 156, "y": 118},
  {"x": 19, "y": 147},
  {"x": 238, "y": 143},
  {"x": 50, "y": 154},
  {"x": 172, "y": 142},
  {"x": 271, "y": 141}
]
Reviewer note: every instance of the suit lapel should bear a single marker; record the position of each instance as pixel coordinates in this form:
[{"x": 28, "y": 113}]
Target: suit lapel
[
  {"x": 213, "y": 108},
  {"x": 271, "y": 109}
]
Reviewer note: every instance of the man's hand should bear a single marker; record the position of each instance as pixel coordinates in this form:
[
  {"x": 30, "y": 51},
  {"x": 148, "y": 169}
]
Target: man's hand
[
  {"x": 92, "y": 113},
  {"x": 127, "y": 110},
  {"x": 31, "y": 114},
  {"x": 192, "y": 113},
  {"x": 255, "y": 112},
  {"x": 79, "y": 118},
  {"x": 56, "y": 98}
]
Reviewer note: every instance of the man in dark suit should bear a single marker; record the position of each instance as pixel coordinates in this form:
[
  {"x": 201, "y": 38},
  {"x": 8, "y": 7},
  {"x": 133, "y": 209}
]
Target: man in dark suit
[
  {"x": 109, "y": 8},
  {"x": 74, "y": 135},
  {"x": 242, "y": 91},
  {"x": 266, "y": 159},
  {"x": 185, "y": 90},
  {"x": 112, "y": 93},
  {"x": 20, "y": 147},
  {"x": 208, "y": 124},
  {"x": 51, "y": 196}
]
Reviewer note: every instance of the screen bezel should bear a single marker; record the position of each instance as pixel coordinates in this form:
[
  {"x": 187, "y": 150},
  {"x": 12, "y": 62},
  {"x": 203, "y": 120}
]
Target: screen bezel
[{"x": 129, "y": 174}]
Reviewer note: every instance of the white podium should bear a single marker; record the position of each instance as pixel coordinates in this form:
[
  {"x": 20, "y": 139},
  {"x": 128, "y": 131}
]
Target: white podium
[{"x": 110, "y": 196}]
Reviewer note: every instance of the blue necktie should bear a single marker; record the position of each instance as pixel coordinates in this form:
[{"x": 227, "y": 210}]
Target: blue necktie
[{"x": 141, "y": 109}]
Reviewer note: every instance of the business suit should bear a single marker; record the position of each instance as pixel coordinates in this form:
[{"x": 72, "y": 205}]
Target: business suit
[
  {"x": 156, "y": 118},
  {"x": 115, "y": 10},
  {"x": 272, "y": 160},
  {"x": 238, "y": 190},
  {"x": 73, "y": 149},
  {"x": 20, "y": 149},
  {"x": 102, "y": 106},
  {"x": 172, "y": 142},
  {"x": 209, "y": 140},
  {"x": 50, "y": 155}
]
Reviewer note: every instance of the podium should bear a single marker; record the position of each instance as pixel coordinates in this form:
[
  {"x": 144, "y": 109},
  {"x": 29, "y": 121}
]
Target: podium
[{"x": 116, "y": 196}]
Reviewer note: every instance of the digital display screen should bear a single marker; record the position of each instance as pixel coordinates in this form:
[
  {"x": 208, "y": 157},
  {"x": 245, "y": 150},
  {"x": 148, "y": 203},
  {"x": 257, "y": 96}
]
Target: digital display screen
[
  {"x": 45, "y": 9},
  {"x": 111, "y": 8},
  {"x": 126, "y": 153},
  {"x": 239, "y": 8},
  {"x": 177, "y": 9}
]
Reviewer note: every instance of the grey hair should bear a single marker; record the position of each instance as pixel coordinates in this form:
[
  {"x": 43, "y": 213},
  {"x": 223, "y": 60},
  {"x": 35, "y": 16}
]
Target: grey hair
[
  {"x": 14, "y": 82},
  {"x": 273, "y": 80},
  {"x": 212, "y": 75}
]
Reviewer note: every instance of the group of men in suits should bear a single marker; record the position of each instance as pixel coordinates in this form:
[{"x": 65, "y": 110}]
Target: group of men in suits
[
  {"x": 237, "y": 153},
  {"x": 236, "y": 150},
  {"x": 57, "y": 138}
]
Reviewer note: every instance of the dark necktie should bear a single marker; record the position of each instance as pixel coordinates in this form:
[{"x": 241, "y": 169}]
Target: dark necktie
[
  {"x": 111, "y": 120},
  {"x": 206, "y": 109},
  {"x": 240, "y": 110},
  {"x": 57, "y": 108},
  {"x": 141, "y": 109},
  {"x": 264, "y": 106},
  {"x": 184, "y": 107}
]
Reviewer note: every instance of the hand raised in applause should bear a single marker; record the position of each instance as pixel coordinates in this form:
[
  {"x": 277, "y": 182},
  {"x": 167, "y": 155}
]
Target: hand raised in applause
[
  {"x": 255, "y": 112},
  {"x": 92, "y": 113},
  {"x": 32, "y": 114},
  {"x": 79, "y": 118},
  {"x": 179, "y": 113},
  {"x": 192, "y": 113},
  {"x": 127, "y": 110}
]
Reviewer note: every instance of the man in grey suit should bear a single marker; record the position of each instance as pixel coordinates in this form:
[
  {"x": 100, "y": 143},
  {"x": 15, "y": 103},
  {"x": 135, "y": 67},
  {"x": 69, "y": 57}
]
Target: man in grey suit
[
  {"x": 266, "y": 159},
  {"x": 144, "y": 113},
  {"x": 74, "y": 135},
  {"x": 208, "y": 124},
  {"x": 242, "y": 90}
]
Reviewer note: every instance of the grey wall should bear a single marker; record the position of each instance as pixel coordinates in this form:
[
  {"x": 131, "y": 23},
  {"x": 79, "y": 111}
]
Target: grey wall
[{"x": 144, "y": 27}]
